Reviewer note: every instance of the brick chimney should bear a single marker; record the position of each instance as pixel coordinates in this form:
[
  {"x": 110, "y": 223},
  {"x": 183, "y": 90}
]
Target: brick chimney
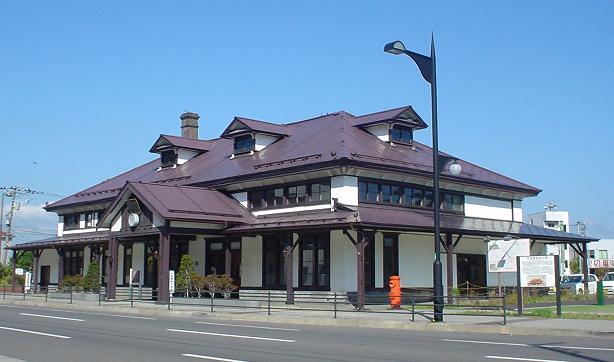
[{"x": 189, "y": 125}]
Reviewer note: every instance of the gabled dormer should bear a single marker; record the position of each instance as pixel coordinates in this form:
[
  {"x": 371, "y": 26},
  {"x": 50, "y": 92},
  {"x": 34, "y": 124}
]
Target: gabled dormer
[
  {"x": 395, "y": 125},
  {"x": 175, "y": 150},
  {"x": 251, "y": 136}
]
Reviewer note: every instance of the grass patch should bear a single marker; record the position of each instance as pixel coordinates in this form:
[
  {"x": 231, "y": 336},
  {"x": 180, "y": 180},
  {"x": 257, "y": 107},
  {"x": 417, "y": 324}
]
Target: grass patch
[{"x": 602, "y": 312}]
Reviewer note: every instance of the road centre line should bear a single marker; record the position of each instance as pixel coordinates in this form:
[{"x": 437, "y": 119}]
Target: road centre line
[
  {"x": 529, "y": 345},
  {"x": 232, "y": 335},
  {"x": 211, "y": 358},
  {"x": 34, "y": 332},
  {"x": 52, "y": 317},
  {"x": 245, "y": 326},
  {"x": 524, "y": 359}
]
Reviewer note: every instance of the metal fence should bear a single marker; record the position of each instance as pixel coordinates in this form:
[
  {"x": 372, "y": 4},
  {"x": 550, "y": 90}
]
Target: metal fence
[{"x": 333, "y": 304}]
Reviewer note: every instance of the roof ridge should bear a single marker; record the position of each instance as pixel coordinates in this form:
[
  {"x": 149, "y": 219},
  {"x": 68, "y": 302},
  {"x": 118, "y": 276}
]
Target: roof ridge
[{"x": 384, "y": 111}]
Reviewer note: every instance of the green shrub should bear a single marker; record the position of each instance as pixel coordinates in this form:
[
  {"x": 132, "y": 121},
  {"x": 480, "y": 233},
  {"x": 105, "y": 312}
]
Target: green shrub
[
  {"x": 91, "y": 280},
  {"x": 72, "y": 283},
  {"x": 183, "y": 277},
  {"x": 199, "y": 283}
]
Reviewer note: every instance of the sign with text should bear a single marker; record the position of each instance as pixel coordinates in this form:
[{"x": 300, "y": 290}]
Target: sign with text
[
  {"x": 502, "y": 254},
  {"x": 135, "y": 277},
  {"x": 171, "y": 281},
  {"x": 600, "y": 263},
  {"x": 537, "y": 271}
]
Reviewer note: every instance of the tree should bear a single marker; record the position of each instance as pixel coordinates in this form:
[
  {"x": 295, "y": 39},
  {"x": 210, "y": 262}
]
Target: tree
[
  {"x": 184, "y": 275},
  {"x": 91, "y": 280},
  {"x": 574, "y": 266}
]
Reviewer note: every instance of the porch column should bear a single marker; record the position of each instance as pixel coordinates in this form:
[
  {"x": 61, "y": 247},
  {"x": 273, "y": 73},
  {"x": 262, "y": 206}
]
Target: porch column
[
  {"x": 164, "y": 250},
  {"x": 112, "y": 273},
  {"x": 60, "y": 252},
  {"x": 585, "y": 265},
  {"x": 14, "y": 277},
  {"x": 36, "y": 253},
  {"x": 289, "y": 246},
  {"x": 360, "y": 268},
  {"x": 227, "y": 258}
]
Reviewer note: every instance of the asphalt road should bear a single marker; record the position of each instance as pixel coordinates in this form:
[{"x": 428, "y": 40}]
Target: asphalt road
[{"x": 40, "y": 334}]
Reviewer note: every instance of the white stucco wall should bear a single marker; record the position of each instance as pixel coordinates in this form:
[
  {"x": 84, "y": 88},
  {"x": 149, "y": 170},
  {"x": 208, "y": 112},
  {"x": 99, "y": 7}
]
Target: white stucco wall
[
  {"x": 184, "y": 156},
  {"x": 291, "y": 209},
  {"x": 251, "y": 261},
  {"x": 416, "y": 255},
  {"x": 343, "y": 262},
  {"x": 379, "y": 260},
  {"x": 488, "y": 208},
  {"x": 50, "y": 257},
  {"x": 517, "y": 205},
  {"x": 381, "y": 131},
  {"x": 263, "y": 140},
  {"x": 196, "y": 250},
  {"x": 116, "y": 225},
  {"x": 60, "y": 225},
  {"x": 138, "y": 257},
  {"x": 344, "y": 189}
]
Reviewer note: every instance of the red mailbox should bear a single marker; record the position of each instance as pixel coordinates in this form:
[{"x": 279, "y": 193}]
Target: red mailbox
[{"x": 395, "y": 292}]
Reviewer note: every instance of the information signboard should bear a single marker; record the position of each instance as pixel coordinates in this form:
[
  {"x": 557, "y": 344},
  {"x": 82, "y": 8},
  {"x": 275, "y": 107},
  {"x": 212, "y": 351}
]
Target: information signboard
[
  {"x": 537, "y": 271},
  {"x": 171, "y": 281},
  {"x": 502, "y": 254}
]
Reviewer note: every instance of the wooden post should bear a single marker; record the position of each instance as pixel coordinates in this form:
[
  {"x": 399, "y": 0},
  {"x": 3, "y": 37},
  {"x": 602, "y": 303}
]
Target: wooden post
[
  {"x": 360, "y": 268},
  {"x": 227, "y": 258},
  {"x": 449, "y": 266},
  {"x": 288, "y": 261},
  {"x": 164, "y": 250},
  {"x": 36, "y": 253},
  {"x": 60, "y": 252},
  {"x": 112, "y": 272},
  {"x": 585, "y": 266}
]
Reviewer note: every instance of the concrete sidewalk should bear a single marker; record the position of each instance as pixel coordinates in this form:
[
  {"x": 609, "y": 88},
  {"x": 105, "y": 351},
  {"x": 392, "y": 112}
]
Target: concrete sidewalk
[{"x": 375, "y": 319}]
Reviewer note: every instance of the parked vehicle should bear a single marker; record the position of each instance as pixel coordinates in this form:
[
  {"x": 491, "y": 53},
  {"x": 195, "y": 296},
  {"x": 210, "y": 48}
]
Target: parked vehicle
[
  {"x": 608, "y": 283},
  {"x": 575, "y": 283}
]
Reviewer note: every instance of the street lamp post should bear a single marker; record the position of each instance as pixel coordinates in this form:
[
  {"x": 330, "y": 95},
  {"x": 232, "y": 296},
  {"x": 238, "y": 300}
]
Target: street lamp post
[{"x": 428, "y": 69}]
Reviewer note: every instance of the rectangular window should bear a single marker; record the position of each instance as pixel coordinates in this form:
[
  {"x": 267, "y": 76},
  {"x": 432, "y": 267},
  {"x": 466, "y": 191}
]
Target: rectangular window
[
  {"x": 400, "y": 133},
  {"x": 417, "y": 199},
  {"x": 396, "y": 194},
  {"x": 591, "y": 254},
  {"x": 168, "y": 158},
  {"x": 428, "y": 199},
  {"x": 73, "y": 262},
  {"x": 71, "y": 221},
  {"x": 255, "y": 199},
  {"x": 244, "y": 144},
  {"x": 386, "y": 190},
  {"x": 603, "y": 254},
  {"x": 320, "y": 192},
  {"x": 90, "y": 220}
]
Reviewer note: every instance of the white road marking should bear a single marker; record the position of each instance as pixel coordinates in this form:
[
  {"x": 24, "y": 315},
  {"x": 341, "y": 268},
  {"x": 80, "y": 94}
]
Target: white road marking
[
  {"x": 51, "y": 317},
  {"x": 486, "y": 342},
  {"x": 232, "y": 335},
  {"x": 34, "y": 332},
  {"x": 78, "y": 312},
  {"x": 244, "y": 326},
  {"x": 211, "y": 358},
  {"x": 524, "y": 359},
  {"x": 571, "y": 347},
  {"x": 529, "y": 345}
]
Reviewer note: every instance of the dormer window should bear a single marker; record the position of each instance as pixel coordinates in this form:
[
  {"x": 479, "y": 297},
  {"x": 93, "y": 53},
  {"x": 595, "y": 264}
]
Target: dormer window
[
  {"x": 244, "y": 144},
  {"x": 168, "y": 158},
  {"x": 401, "y": 134}
]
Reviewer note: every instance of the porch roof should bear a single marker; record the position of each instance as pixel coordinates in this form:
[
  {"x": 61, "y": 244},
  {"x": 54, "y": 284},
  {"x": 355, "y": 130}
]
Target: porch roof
[
  {"x": 66, "y": 240},
  {"x": 294, "y": 221},
  {"x": 401, "y": 218}
]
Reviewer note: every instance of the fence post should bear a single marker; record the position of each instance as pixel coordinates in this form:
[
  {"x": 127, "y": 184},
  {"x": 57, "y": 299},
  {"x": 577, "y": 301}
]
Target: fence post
[
  {"x": 504, "y": 308},
  {"x": 169, "y": 300},
  {"x": 269, "y": 303},
  {"x": 335, "y": 301},
  {"x": 46, "y": 294},
  {"x": 70, "y": 295},
  {"x": 212, "y": 296},
  {"x": 24, "y": 293},
  {"x": 4, "y": 293},
  {"x": 413, "y": 309},
  {"x": 99, "y": 298},
  {"x": 131, "y": 297}
]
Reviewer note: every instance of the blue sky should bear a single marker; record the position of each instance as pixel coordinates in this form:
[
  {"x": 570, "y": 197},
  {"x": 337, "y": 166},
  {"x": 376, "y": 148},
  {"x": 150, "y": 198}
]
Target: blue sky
[{"x": 525, "y": 88}]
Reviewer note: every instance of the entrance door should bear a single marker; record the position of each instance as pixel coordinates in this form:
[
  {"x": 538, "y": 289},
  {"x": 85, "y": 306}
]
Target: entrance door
[
  {"x": 471, "y": 272},
  {"x": 314, "y": 261},
  {"x": 151, "y": 267},
  {"x": 370, "y": 262},
  {"x": 45, "y": 274}
]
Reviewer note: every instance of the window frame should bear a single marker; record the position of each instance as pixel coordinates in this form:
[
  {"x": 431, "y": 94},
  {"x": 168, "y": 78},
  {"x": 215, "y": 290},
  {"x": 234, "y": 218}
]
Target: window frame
[
  {"x": 392, "y": 131},
  {"x": 73, "y": 226},
  {"x": 287, "y": 196},
  {"x": 245, "y": 149}
]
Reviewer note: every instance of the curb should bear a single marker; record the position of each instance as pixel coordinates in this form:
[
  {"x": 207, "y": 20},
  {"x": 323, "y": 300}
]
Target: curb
[{"x": 301, "y": 320}]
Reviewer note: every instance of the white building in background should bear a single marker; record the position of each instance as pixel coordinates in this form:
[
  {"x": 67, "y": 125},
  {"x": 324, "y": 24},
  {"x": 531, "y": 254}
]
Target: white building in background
[
  {"x": 555, "y": 220},
  {"x": 602, "y": 249}
]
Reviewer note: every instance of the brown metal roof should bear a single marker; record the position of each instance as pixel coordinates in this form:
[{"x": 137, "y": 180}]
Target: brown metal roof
[
  {"x": 328, "y": 140},
  {"x": 241, "y": 125},
  {"x": 66, "y": 240},
  {"x": 181, "y": 142},
  {"x": 183, "y": 203},
  {"x": 402, "y": 218},
  {"x": 296, "y": 221}
]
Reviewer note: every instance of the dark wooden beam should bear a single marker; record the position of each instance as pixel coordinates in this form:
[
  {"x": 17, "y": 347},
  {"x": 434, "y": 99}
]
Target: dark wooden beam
[
  {"x": 458, "y": 239},
  {"x": 60, "y": 252},
  {"x": 585, "y": 266},
  {"x": 449, "y": 265},
  {"x": 112, "y": 271},
  {"x": 164, "y": 250},
  {"x": 289, "y": 246},
  {"x": 36, "y": 253}
]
